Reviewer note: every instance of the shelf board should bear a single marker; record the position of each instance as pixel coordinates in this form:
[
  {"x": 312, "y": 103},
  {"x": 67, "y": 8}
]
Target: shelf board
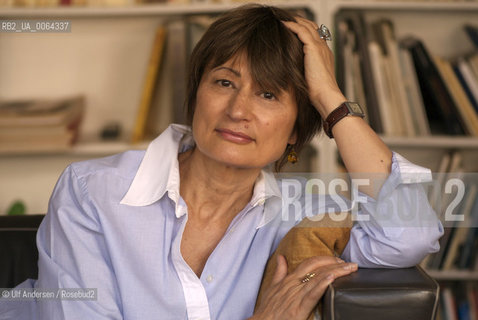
[
  {"x": 408, "y": 5},
  {"x": 453, "y": 275},
  {"x": 100, "y": 148},
  {"x": 83, "y": 149},
  {"x": 157, "y": 9},
  {"x": 438, "y": 142}
]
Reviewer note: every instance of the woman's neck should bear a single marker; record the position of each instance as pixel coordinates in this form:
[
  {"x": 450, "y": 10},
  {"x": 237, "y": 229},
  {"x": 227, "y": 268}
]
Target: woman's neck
[{"x": 213, "y": 190}]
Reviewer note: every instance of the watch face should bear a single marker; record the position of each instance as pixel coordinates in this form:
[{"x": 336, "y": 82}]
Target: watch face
[{"x": 355, "y": 108}]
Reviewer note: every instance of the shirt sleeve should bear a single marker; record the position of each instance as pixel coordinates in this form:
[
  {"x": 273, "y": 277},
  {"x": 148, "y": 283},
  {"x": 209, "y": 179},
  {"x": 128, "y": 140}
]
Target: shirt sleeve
[
  {"x": 72, "y": 254},
  {"x": 399, "y": 228}
]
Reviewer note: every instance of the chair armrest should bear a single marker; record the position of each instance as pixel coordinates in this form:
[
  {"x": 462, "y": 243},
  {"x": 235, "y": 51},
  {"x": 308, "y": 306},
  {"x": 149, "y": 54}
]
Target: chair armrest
[
  {"x": 390, "y": 294},
  {"x": 18, "y": 250}
]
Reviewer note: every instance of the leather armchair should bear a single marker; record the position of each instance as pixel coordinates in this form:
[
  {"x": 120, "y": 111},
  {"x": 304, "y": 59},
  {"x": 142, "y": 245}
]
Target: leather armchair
[
  {"x": 389, "y": 294},
  {"x": 18, "y": 250},
  {"x": 366, "y": 294}
]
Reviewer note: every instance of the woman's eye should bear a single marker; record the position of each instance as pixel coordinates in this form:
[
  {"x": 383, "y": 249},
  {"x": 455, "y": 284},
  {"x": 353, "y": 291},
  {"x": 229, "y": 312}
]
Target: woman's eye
[
  {"x": 268, "y": 95},
  {"x": 225, "y": 83}
]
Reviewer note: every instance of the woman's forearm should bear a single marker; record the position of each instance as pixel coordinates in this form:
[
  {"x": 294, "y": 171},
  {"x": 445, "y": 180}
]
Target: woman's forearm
[{"x": 364, "y": 154}]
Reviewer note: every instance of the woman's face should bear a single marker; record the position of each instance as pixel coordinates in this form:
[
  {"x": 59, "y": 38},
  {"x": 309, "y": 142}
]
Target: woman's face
[{"x": 238, "y": 124}]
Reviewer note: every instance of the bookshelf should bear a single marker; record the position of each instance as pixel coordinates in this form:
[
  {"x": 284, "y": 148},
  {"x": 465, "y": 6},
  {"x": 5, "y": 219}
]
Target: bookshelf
[
  {"x": 105, "y": 58},
  {"x": 439, "y": 24},
  {"x": 113, "y": 44},
  {"x": 140, "y": 10}
]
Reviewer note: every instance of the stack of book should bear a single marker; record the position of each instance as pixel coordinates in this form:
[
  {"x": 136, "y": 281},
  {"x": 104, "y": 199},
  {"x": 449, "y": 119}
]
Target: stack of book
[
  {"x": 40, "y": 125},
  {"x": 406, "y": 89}
]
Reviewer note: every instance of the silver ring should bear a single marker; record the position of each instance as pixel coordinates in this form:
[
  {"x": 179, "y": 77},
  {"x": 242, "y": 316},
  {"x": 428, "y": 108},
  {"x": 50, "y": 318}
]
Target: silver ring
[{"x": 324, "y": 33}]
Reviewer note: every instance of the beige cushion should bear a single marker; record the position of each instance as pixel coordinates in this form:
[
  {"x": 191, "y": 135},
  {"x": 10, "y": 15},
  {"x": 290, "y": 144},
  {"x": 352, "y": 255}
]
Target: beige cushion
[{"x": 308, "y": 239}]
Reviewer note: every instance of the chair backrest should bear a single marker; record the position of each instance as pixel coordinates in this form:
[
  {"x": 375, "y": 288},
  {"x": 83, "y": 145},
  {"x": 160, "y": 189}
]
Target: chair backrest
[{"x": 18, "y": 250}]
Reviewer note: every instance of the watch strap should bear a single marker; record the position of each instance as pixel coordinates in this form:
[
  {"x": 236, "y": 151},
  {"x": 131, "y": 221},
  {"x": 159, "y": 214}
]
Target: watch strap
[{"x": 339, "y": 113}]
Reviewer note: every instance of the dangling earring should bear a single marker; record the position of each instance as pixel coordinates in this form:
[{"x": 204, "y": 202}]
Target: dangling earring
[{"x": 292, "y": 156}]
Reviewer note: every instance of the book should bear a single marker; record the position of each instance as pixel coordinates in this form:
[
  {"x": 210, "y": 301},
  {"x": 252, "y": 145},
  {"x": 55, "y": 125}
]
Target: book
[
  {"x": 435, "y": 193},
  {"x": 347, "y": 61},
  {"x": 441, "y": 111},
  {"x": 356, "y": 24},
  {"x": 37, "y": 143},
  {"x": 149, "y": 85},
  {"x": 473, "y": 262},
  {"x": 468, "y": 80},
  {"x": 40, "y": 112},
  {"x": 160, "y": 114},
  {"x": 382, "y": 89},
  {"x": 449, "y": 304},
  {"x": 473, "y": 62},
  {"x": 359, "y": 86},
  {"x": 40, "y": 125},
  {"x": 472, "y": 297},
  {"x": 396, "y": 90},
  {"x": 167, "y": 103},
  {"x": 414, "y": 95},
  {"x": 459, "y": 235},
  {"x": 461, "y": 101},
  {"x": 470, "y": 237},
  {"x": 176, "y": 55},
  {"x": 351, "y": 74},
  {"x": 472, "y": 32},
  {"x": 454, "y": 171},
  {"x": 462, "y": 302},
  {"x": 439, "y": 200},
  {"x": 196, "y": 26}
]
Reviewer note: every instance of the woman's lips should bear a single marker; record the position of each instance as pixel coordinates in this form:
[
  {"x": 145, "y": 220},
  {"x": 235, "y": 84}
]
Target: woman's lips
[{"x": 236, "y": 137}]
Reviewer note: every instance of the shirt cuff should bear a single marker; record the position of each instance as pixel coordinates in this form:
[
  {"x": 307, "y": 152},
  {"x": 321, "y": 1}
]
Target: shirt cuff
[
  {"x": 409, "y": 172},
  {"x": 402, "y": 172}
]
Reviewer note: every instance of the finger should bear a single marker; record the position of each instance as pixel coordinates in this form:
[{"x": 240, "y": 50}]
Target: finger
[
  {"x": 314, "y": 263},
  {"x": 312, "y": 25},
  {"x": 304, "y": 32},
  {"x": 281, "y": 270},
  {"x": 331, "y": 271},
  {"x": 315, "y": 289},
  {"x": 312, "y": 297},
  {"x": 312, "y": 28}
]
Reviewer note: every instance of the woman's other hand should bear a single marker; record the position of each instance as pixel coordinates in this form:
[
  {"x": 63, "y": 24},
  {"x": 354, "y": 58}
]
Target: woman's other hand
[
  {"x": 289, "y": 297},
  {"x": 324, "y": 93},
  {"x": 360, "y": 148}
]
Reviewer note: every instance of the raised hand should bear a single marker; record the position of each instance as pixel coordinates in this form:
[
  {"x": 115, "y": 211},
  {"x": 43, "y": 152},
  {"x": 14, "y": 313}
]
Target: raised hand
[
  {"x": 324, "y": 93},
  {"x": 291, "y": 296}
]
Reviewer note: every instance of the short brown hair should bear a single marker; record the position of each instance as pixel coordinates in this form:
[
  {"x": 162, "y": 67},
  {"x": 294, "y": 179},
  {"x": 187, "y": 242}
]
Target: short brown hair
[{"x": 275, "y": 56}]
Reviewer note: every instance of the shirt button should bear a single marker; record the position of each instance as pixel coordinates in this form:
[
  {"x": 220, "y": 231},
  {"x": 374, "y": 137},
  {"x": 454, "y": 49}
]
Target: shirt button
[
  {"x": 209, "y": 278},
  {"x": 261, "y": 202}
]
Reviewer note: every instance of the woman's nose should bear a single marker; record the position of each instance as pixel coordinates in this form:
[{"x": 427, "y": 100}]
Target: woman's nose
[{"x": 239, "y": 107}]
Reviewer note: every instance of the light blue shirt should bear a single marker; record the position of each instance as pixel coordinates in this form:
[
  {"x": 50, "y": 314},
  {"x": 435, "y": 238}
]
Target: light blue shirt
[{"x": 116, "y": 224}]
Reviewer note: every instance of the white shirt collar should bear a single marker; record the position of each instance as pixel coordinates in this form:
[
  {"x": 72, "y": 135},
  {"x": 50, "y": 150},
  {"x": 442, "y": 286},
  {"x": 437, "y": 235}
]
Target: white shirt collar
[{"x": 158, "y": 173}]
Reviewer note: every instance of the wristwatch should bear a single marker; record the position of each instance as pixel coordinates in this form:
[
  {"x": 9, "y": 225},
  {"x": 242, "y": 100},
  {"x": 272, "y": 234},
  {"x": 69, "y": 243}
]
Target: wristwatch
[{"x": 345, "y": 109}]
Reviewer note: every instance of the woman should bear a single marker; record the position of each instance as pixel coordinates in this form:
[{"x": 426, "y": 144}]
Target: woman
[{"x": 184, "y": 230}]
